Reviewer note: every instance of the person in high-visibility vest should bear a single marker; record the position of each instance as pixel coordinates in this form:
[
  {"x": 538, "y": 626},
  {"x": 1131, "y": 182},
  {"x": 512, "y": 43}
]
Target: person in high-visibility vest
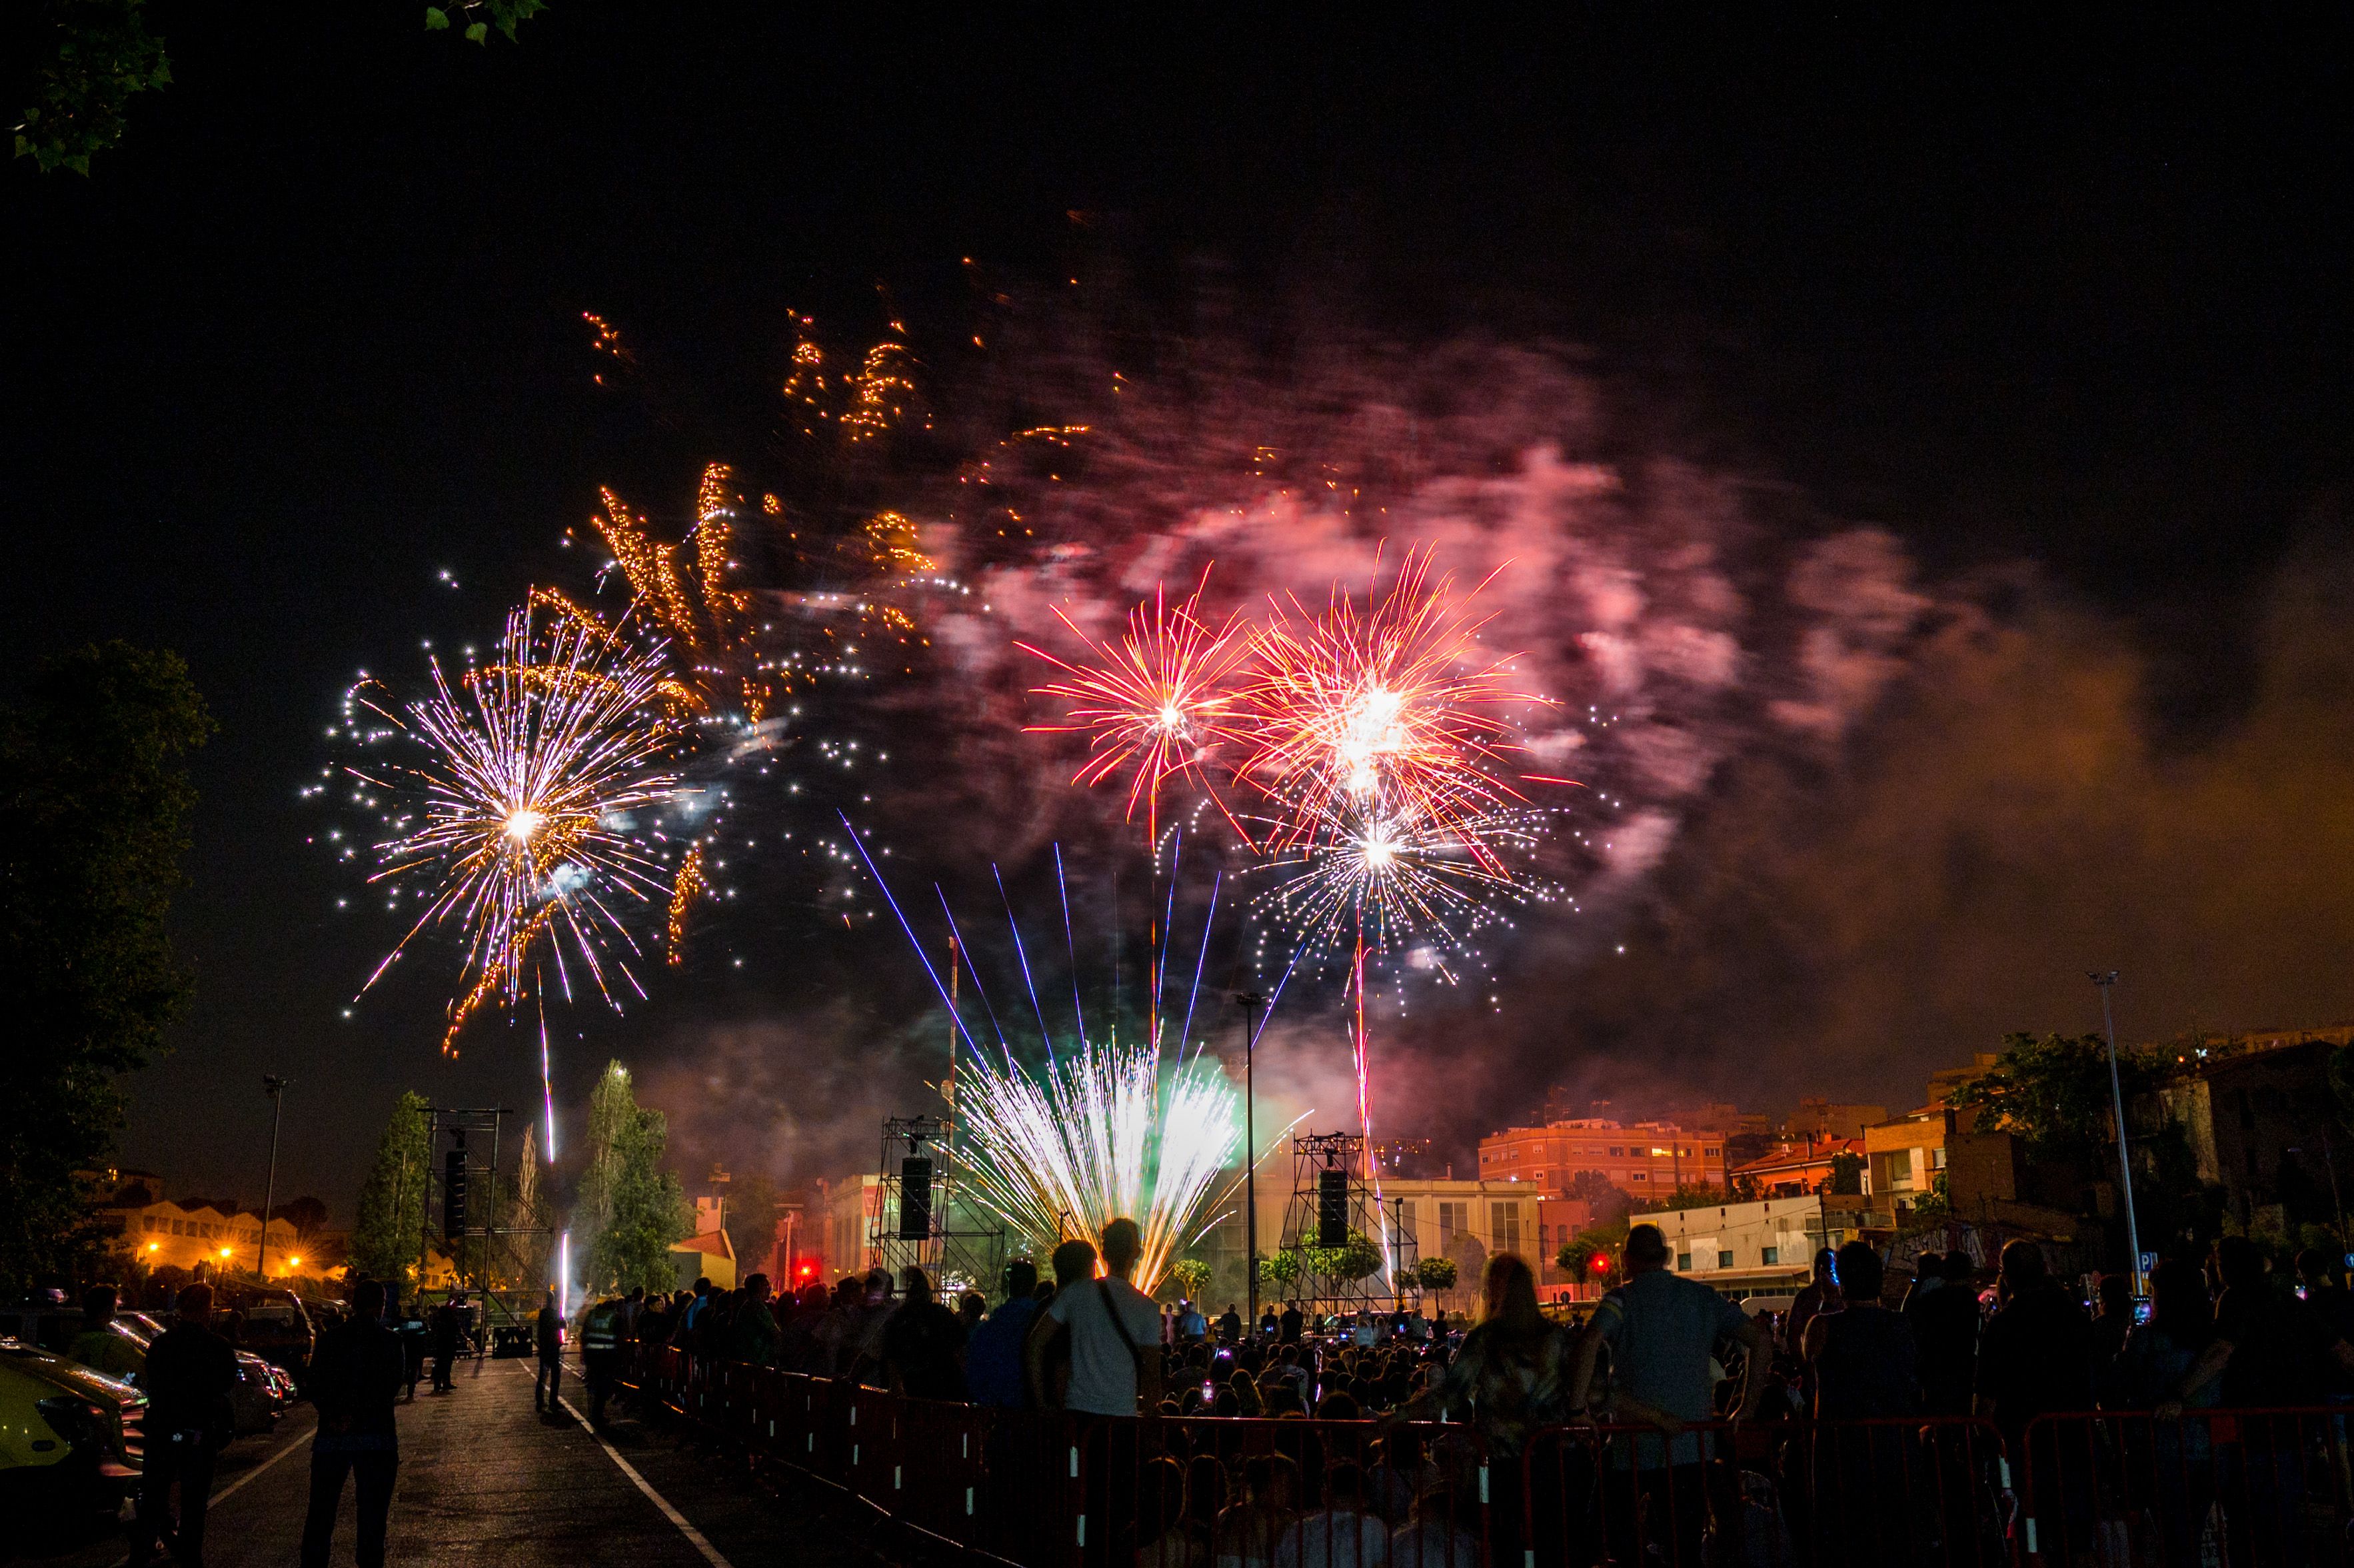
[{"x": 600, "y": 1354}]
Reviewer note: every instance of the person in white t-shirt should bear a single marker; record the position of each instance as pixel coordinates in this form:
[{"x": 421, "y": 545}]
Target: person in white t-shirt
[{"x": 1115, "y": 1332}]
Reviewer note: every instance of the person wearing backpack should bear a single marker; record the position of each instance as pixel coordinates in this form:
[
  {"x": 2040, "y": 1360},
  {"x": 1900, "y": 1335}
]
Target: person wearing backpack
[{"x": 1111, "y": 1324}]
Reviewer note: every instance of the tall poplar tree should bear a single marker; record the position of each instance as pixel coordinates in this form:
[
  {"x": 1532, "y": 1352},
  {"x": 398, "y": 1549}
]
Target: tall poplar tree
[
  {"x": 630, "y": 1209},
  {"x": 392, "y": 1202}
]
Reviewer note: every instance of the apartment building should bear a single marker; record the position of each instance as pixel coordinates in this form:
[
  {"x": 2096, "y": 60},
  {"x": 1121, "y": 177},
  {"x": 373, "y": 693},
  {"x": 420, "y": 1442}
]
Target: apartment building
[
  {"x": 1761, "y": 1248},
  {"x": 182, "y": 1234},
  {"x": 1646, "y": 1159}
]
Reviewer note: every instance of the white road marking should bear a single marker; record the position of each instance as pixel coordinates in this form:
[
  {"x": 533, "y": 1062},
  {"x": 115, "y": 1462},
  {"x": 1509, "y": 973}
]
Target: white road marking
[
  {"x": 302, "y": 1441},
  {"x": 695, "y": 1537},
  {"x": 215, "y": 1499}
]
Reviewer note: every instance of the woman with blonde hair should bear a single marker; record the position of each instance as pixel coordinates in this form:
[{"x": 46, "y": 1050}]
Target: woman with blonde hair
[{"x": 1507, "y": 1378}]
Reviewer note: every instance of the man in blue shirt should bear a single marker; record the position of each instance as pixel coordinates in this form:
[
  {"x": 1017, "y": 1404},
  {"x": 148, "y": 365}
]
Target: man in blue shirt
[
  {"x": 992, "y": 1357},
  {"x": 1662, "y": 1330}
]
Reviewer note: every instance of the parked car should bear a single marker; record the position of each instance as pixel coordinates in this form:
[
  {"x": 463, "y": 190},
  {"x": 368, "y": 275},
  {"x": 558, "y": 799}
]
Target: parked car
[
  {"x": 262, "y": 1392},
  {"x": 277, "y": 1329},
  {"x": 69, "y": 1438}
]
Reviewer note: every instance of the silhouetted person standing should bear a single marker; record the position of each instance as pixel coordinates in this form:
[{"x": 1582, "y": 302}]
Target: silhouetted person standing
[
  {"x": 356, "y": 1375},
  {"x": 445, "y": 1345},
  {"x": 189, "y": 1375},
  {"x": 547, "y": 1339},
  {"x": 1945, "y": 1334}
]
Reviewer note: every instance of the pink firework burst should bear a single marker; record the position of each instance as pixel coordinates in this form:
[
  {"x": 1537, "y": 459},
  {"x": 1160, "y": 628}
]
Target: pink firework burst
[{"x": 1156, "y": 703}]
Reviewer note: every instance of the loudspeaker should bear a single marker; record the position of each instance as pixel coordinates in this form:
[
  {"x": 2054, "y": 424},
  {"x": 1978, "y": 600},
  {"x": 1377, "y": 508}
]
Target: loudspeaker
[
  {"x": 454, "y": 1195},
  {"x": 1331, "y": 1208},
  {"x": 914, "y": 1198}
]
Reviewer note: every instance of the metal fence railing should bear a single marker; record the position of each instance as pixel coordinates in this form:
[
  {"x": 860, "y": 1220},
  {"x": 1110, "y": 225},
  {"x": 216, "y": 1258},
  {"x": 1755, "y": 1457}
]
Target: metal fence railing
[
  {"x": 2265, "y": 1488},
  {"x": 1045, "y": 1489}
]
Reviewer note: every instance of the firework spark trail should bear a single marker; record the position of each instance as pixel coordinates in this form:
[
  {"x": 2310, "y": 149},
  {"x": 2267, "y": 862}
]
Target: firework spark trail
[
  {"x": 1393, "y": 880},
  {"x": 1159, "y": 700},
  {"x": 1108, "y": 1130},
  {"x": 1044, "y": 1034},
  {"x": 516, "y": 802},
  {"x": 956, "y": 937},
  {"x": 1106, "y": 1134},
  {"x": 1072, "y": 942},
  {"x": 1391, "y": 707},
  {"x": 1200, "y": 958},
  {"x": 547, "y": 1083}
]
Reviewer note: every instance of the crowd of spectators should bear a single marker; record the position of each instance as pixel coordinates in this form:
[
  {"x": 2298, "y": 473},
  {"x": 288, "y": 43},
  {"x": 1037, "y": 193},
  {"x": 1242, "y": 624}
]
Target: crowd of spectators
[{"x": 1657, "y": 1356}]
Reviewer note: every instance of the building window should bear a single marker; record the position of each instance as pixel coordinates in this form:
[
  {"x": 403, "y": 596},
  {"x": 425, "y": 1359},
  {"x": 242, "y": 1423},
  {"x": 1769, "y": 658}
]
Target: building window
[
  {"x": 1504, "y": 1225},
  {"x": 1708, "y": 1153},
  {"x": 1618, "y": 1152},
  {"x": 1683, "y": 1262},
  {"x": 1638, "y": 1176},
  {"x": 1938, "y": 1158},
  {"x": 1724, "y": 1260},
  {"x": 1452, "y": 1217},
  {"x": 1770, "y": 1255},
  {"x": 1405, "y": 1219}
]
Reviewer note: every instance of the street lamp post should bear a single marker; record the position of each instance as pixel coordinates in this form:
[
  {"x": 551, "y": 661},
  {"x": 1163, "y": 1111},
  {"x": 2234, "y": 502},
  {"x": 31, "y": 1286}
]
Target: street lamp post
[
  {"x": 2105, "y": 979},
  {"x": 275, "y": 1087},
  {"x": 1250, "y": 1001}
]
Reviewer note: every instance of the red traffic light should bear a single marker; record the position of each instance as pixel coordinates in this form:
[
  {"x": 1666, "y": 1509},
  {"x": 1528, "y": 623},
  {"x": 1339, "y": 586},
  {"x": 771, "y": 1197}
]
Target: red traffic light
[{"x": 1598, "y": 1263}]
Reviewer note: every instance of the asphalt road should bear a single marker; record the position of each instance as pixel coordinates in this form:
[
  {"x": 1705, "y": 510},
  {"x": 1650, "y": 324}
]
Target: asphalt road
[{"x": 485, "y": 1480}]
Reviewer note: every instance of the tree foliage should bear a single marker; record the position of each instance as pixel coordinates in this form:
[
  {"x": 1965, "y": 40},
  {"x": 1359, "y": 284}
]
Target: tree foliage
[
  {"x": 2053, "y": 1092},
  {"x": 392, "y": 1201},
  {"x": 1283, "y": 1268},
  {"x": 1191, "y": 1275},
  {"x": 1353, "y": 1259},
  {"x": 1436, "y": 1273},
  {"x": 1600, "y": 1194},
  {"x": 94, "y": 807},
  {"x": 632, "y": 1208},
  {"x": 529, "y": 1213},
  {"x": 96, "y": 56},
  {"x": 1578, "y": 1254},
  {"x": 482, "y": 15},
  {"x": 1847, "y": 1173},
  {"x": 751, "y": 1222}
]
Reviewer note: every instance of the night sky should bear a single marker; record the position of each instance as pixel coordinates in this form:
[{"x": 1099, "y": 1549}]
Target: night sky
[{"x": 2057, "y": 317}]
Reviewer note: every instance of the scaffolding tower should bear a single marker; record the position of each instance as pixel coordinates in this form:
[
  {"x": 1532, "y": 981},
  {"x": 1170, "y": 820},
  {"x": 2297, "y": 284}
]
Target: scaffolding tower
[
  {"x": 1332, "y": 1205},
  {"x": 919, "y": 1219},
  {"x": 459, "y": 1206}
]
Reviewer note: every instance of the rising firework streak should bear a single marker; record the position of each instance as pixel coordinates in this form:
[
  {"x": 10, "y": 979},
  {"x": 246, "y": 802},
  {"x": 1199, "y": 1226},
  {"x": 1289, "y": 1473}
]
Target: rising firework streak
[{"x": 1105, "y": 1129}]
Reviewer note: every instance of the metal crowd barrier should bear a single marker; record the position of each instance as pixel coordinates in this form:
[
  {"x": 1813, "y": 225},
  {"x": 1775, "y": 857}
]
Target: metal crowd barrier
[
  {"x": 2246, "y": 1489},
  {"x": 1919, "y": 1490},
  {"x": 2250, "y": 1488}
]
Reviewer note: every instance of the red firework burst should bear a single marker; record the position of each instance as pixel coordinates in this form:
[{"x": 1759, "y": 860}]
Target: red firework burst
[
  {"x": 1393, "y": 706},
  {"x": 1159, "y": 700}
]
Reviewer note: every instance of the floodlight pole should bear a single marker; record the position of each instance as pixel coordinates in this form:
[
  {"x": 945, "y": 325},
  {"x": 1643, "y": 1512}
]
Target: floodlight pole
[
  {"x": 275, "y": 1087},
  {"x": 1250, "y": 1001},
  {"x": 2106, "y": 979}
]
